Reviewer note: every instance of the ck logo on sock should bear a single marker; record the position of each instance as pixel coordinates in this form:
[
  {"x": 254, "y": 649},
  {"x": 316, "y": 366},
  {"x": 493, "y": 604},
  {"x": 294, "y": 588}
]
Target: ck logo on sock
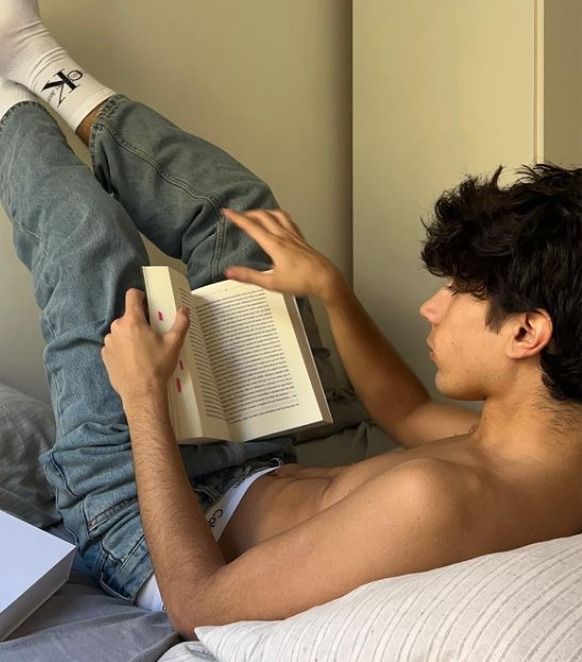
[{"x": 64, "y": 85}]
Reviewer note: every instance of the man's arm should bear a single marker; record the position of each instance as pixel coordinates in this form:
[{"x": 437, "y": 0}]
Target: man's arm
[
  {"x": 390, "y": 391},
  {"x": 392, "y": 394},
  {"x": 388, "y": 526}
]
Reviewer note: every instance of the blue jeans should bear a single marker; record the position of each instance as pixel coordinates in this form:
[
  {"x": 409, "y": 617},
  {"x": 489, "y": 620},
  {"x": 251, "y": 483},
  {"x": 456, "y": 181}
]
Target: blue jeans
[{"x": 78, "y": 234}]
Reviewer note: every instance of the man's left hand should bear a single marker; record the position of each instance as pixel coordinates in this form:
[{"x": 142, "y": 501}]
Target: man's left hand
[{"x": 137, "y": 359}]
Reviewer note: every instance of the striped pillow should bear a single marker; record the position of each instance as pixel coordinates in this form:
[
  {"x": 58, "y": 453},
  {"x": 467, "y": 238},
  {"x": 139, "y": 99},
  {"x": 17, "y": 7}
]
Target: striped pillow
[
  {"x": 27, "y": 429},
  {"x": 524, "y": 604}
]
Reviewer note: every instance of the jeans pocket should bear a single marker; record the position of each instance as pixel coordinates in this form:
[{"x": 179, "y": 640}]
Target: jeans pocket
[
  {"x": 95, "y": 521},
  {"x": 116, "y": 526}
]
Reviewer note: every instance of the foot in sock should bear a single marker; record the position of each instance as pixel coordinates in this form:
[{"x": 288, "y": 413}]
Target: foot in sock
[
  {"x": 11, "y": 94},
  {"x": 31, "y": 56}
]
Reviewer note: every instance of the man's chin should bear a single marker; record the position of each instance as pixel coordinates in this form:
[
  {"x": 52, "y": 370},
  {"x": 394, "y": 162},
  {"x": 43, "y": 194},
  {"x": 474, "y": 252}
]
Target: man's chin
[{"x": 455, "y": 391}]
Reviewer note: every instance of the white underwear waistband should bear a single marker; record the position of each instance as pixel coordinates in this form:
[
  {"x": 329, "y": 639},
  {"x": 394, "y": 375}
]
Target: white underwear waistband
[{"x": 217, "y": 516}]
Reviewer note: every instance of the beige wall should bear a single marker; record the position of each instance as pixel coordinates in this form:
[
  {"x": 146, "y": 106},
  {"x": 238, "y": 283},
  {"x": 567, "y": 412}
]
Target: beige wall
[
  {"x": 269, "y": 82},
  {"x": 562, "y": 73},
  {"x": 440, "y": 90}
]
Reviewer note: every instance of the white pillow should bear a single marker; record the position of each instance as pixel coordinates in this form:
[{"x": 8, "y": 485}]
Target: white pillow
[{"x": 524, "y": 604}]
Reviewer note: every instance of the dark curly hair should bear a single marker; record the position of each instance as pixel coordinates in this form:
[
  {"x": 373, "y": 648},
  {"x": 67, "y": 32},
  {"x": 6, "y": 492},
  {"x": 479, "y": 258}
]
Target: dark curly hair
[{"x": 520, "y": 248}]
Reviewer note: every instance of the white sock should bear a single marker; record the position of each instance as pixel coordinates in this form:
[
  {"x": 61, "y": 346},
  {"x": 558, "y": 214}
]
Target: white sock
[
  {"x": 11, "y": 94},
  {"x": 31, "y": 56}
]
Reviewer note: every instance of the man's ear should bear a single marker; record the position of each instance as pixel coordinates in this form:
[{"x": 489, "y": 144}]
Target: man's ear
[{"x": 530, "y": 333}]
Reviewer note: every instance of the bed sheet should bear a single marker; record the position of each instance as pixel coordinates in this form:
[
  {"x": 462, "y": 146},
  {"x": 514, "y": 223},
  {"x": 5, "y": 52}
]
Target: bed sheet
[{"x": 81, "y": 622}]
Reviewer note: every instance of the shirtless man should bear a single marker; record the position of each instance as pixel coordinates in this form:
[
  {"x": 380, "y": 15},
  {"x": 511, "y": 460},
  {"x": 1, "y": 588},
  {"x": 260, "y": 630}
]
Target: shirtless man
[{"x": 504, "y": 329}]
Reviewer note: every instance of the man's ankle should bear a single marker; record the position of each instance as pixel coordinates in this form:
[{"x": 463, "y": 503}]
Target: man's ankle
[{"x": 84, "y": 129}]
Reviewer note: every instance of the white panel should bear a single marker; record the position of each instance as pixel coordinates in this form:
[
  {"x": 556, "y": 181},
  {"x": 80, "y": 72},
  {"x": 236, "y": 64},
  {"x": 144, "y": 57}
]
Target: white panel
[
  {"x": 562, "y": 97},
  {"x": 441, "y": 89}
]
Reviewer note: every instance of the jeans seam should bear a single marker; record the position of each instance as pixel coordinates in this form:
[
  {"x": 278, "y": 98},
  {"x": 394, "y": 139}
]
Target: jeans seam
[
  {"x": 43, "y": 251},
  {"x": 107, "y": 109},
  {"x": 166, "y": 176},
  {"x": 30, "y": 233},
  {"x": 219, "y": 243},
  {"x": 109, "y": 556},
  {"x": 54, "y": 380},
  {"x": 8, "y": 114},
  {"x": 129, "y": 554},
  {"x": 98, "y": 519},
  {"x": 171, "y": 179},
  {"x": 58, "y": 469}
]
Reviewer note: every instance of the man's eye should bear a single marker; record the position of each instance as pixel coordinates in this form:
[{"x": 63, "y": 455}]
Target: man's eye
[{"x": 451, "y": 288}]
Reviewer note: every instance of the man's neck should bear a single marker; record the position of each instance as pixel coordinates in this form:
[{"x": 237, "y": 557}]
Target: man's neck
[{"x": 534, "y": 428}]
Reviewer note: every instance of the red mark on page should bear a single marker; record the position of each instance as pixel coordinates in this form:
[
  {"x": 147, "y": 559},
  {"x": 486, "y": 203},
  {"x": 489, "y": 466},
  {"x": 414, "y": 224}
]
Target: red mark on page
[
  {"x": 179, "y": 385},
  {"x": 160, "y": 316}
]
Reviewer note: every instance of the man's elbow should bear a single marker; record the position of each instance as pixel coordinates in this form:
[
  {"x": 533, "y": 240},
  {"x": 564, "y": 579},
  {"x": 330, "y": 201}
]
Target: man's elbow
[
  {"x": 185, "y": 617},
  {"x": 186, "y": 633},
  {"x": 403, "y": 427},
  {"x": 185, "y": 623},
  {"x": 185, "y": 626},
  {"x": 215, "y": 601}
]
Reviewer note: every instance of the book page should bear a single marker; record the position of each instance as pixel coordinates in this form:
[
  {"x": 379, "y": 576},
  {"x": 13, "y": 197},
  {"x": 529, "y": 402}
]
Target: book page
[
  {"x": 188, "y": 406},
  {"x": 210, "y": 398},
  {"x": 238, "y": 351},
  {"x": 256, "y": 360}
]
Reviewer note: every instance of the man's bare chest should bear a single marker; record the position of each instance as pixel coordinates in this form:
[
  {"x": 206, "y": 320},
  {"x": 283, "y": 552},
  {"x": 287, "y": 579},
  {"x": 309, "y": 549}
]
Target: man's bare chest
[
  {"x": 349, "y": 477},
  {"x": 513, "y": 505}
]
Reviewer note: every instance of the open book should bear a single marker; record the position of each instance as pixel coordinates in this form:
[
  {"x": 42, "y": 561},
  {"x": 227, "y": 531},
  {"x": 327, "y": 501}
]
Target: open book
[{"x": 245, "y": 370}]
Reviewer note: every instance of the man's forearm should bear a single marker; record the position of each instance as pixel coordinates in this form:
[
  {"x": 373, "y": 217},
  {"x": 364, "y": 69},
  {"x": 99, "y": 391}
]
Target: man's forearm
[
  {"x": 183, "y": 550},
  {"x": 386, "y": 385}
]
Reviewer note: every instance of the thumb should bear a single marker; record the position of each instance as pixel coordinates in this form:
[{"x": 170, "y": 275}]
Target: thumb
[
  {"x": 252, "y": 276},
  {"x": 179, "y": 329}
]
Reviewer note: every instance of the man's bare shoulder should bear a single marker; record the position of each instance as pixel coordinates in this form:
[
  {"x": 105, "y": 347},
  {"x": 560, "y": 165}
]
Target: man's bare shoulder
[
  {"x": 436, "y": 484},
  {"x": 411, "y": 521},
  {"x": 443, "y": 462},
  {"x": 499, "y": 510}
]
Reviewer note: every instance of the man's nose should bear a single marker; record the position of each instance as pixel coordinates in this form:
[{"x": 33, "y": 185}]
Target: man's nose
[{"x": 430, "y": 309}]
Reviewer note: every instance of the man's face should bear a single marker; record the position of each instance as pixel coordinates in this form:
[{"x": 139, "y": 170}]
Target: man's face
[{"x": 467, "y": 354}]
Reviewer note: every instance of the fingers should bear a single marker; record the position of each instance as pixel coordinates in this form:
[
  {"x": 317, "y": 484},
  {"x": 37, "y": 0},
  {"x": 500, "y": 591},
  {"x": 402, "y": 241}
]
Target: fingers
[
  {"x": 252, "y": 276},
  {"x": 177, "y": 333},
  {"x": 252, "y": 227},
  {"x": 276, "y": 221},
  {"x": 266, "y": 219},
  {"x": 287, "y": 222},
  {"x": 134, "y": 303}
]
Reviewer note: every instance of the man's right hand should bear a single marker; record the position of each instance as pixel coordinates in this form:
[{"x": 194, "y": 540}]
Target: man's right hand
[{"x": 297, "y": 267}]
